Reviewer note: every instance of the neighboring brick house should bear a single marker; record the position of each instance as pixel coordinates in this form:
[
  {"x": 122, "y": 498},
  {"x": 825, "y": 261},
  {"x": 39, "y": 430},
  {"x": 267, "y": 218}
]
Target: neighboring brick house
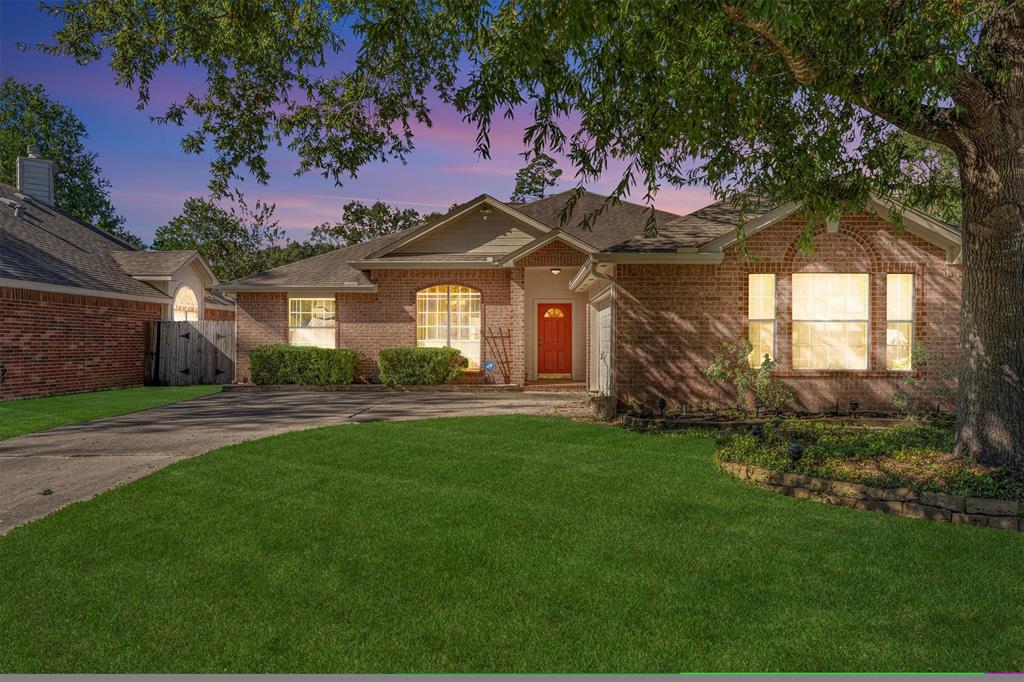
[
  {"x": 623, "y": 314},
  {"x": 74, "y": 300}
]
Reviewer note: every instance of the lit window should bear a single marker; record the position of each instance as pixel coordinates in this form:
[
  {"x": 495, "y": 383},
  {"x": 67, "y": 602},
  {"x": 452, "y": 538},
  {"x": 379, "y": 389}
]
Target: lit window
[
  {"x": 311, "y": 322},
  {"x": 186, "y": 305},
  {"x": 830, "y": 321},
  {"x": 899, "y": 329},
  {"x": 761, "y": 316},
  {"x": 449, "y": 316}
]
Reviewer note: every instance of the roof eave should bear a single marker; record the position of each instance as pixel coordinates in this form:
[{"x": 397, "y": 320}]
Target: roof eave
[
  {"x": 398, "y": 264},
  {"x": 9, "y": 283},
  {"x": 284, "y": 288}
]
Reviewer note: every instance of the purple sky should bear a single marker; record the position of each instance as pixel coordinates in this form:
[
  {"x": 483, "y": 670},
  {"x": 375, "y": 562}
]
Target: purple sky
[{"x": 151, "y": 177}]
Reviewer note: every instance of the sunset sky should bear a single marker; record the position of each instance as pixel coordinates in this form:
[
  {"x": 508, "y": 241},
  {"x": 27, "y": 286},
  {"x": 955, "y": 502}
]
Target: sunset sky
[{"x": 151, "y": 177}]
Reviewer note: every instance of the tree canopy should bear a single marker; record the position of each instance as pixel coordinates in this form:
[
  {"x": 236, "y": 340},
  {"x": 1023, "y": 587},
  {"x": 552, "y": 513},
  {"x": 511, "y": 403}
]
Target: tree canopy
[
  {"x": 236, "y": 242},
  {"x": 29, "y": 116},
  {"x": 536, "y": 178},
  {"x": 801, "y": 101},
  {"x": 360, "y": 223}
]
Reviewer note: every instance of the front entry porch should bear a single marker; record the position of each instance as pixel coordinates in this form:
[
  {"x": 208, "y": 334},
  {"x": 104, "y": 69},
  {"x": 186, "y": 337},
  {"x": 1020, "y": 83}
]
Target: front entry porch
[{"x": 555, "y": 328}]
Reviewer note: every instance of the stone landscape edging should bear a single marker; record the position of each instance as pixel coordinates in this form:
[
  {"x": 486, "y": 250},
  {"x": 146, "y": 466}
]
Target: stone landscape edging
[
  {"x": 375, "y": 388},
  {"x": 975, "y": 511}
]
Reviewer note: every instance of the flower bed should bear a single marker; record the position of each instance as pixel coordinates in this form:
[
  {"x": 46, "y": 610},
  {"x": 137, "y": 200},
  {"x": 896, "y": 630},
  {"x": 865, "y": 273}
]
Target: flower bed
[
  {"x": 906, "y": 469},
  {"x": 975, "y": 511}
]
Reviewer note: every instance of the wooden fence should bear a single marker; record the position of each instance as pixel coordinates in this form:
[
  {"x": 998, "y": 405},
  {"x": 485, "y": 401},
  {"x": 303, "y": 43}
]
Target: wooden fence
[{"x": 183, "y": 353}]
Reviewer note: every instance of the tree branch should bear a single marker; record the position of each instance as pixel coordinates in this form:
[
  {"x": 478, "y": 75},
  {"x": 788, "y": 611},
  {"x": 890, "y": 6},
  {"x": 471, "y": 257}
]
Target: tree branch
[
  {"x": 802, "y": 70},
  {"x": 932, "y": 123}
]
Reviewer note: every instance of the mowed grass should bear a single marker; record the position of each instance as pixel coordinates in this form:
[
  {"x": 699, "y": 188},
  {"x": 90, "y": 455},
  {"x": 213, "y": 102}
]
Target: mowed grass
[
  {"x": 18, "y": 417},
  {"x": 494, "y": 544}
]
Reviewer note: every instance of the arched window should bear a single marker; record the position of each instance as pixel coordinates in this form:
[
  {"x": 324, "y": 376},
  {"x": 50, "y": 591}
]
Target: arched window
[
  {"x": 186, "y": 305},
  {"x": 449, "y": 315}
]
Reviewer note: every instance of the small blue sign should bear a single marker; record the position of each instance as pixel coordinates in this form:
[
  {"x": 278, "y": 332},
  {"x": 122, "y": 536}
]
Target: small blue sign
[{"x": 489, "y": 366}]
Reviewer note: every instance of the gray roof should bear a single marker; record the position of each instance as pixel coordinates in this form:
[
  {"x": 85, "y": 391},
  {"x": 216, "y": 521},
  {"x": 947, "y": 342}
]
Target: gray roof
[
  {"x": 619, "y": 223},
  {"x": 45, "y": 246},
  {"x": 329, "y": 270},
  {"x": 620, "y": 228},
  {"x": 152, "y": 263}
]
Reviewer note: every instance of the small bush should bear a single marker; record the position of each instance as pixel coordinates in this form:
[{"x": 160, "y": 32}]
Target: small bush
[
  {"x": 732, "y": 367},
  {"x": 306, "y": 365},
  {"x": 420, "y": 366}
]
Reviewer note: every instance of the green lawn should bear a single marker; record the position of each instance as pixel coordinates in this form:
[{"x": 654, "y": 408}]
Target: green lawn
[
  {"x": 494, "y": 544},
  {"x": 18, "y": 417}
]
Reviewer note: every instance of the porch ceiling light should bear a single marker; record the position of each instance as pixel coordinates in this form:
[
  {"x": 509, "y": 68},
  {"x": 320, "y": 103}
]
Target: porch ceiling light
[{"x": 556, "y": 271}]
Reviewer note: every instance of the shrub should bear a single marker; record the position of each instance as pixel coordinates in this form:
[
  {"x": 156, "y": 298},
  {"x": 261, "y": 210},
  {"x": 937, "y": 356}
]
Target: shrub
[
  {"x": 930, "y": 384},
  {"x": 732, "y": 367},
  {"x": 307, "y": 365},
  {"x": 420, "y": 366}
]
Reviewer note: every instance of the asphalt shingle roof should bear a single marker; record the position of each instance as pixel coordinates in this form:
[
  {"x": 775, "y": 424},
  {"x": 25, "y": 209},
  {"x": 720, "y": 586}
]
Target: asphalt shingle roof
[
  {"x": 152, "y": 263},
  {"x": 620, "y": 228},
  {"x": 45, "y": 246}
]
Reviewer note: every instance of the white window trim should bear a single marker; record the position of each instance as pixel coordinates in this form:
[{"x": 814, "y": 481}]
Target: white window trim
[
  {"x": 913, "y": 316},
  {"x": 775, "y": 313},
  {"x": 333, "y": 327},
  {"x": 448, "y": 322},
  {"x": 793, "y": 320}
]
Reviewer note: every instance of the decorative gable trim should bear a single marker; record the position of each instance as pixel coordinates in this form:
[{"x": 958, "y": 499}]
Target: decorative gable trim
[
  {"x": 933, "y": 231},
  {"x": 554, "y": 235},
  {"x": 455, "y": 214},
  {"x": 753, "y": 227}
]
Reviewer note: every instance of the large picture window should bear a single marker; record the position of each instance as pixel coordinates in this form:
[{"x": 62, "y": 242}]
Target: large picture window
[
  {"x": 899, "y": 325},
  {"x": 830, "y": 321},
  {"x": 449, "y": 315},
  {"x": 761, "y": 317},
  {"x": 311, "y": 322}
]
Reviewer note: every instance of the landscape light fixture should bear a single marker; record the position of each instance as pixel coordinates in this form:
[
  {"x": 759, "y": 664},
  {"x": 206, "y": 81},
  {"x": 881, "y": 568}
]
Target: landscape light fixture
[{"x": 796, "y": 452}]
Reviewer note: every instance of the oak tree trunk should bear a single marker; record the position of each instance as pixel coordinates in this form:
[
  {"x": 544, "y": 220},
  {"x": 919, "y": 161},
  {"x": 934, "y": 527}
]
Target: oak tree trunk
[{"x": 990, "y": 396}]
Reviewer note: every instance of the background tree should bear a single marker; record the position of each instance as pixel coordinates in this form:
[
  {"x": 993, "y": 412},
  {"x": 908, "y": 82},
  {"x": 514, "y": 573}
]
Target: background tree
[
  {"x": 29, "y": 116},
  {"x": 534, "y": 179},
  {"x": 360, "y": 223},
  {"x": 796, "y": 101},
  {"x": 235, "y": 242}
]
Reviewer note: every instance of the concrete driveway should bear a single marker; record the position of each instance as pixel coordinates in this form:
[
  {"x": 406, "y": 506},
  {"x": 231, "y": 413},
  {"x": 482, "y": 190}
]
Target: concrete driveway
[{"x": 78, "y": 461}]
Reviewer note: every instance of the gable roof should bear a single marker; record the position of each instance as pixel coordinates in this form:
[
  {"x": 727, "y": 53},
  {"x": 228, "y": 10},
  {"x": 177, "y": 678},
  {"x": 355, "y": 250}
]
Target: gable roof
[
  {"x": 331, "y": 270},
  {"x": 152, "y": 263},
  {"x": 51, "y": 250},
  {"x": 616, "y": 235},
  {"x": 619, "y": 227}
]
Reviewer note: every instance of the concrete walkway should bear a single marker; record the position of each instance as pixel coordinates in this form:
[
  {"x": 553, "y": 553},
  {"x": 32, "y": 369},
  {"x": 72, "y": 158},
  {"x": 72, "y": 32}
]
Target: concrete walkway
[{"x": 78, "y": 461}]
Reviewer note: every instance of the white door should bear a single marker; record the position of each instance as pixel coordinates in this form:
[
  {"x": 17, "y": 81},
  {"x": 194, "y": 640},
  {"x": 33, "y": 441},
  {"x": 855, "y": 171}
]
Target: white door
[{"x": 604, "y": 350}]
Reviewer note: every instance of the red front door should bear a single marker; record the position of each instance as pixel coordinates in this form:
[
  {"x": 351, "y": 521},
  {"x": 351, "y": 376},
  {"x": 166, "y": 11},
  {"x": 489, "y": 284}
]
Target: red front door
[{"x": 554, "y": 341}]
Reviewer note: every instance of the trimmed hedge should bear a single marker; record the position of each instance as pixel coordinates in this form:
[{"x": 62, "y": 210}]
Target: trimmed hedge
[
  {"x": 306, "y": 365},
  {"x": 420, "y": 366}
]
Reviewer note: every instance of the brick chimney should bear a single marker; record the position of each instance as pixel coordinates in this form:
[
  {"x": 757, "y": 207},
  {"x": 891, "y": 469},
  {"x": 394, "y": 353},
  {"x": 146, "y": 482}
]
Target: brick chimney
[{"x": 36, "y": 176}]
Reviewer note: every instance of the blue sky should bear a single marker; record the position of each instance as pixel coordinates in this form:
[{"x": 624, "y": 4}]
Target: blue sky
[{"x": 151, "y": 176}]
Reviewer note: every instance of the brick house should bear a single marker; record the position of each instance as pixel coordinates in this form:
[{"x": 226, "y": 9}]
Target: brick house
[
  {"x": 74, "y": 300},
  {"x": 623, "y": 314}
]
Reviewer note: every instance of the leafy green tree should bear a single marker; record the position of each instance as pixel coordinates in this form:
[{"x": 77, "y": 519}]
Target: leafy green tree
[
  {"x": 360, "y": 223},
  {"x": 235, "y": 242},
  {"x": 534, "y": 179},
  {"x": 29, "y": 116},
  {"x": 935, "y": 179},
  {"x": 798, "y": 101}
]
